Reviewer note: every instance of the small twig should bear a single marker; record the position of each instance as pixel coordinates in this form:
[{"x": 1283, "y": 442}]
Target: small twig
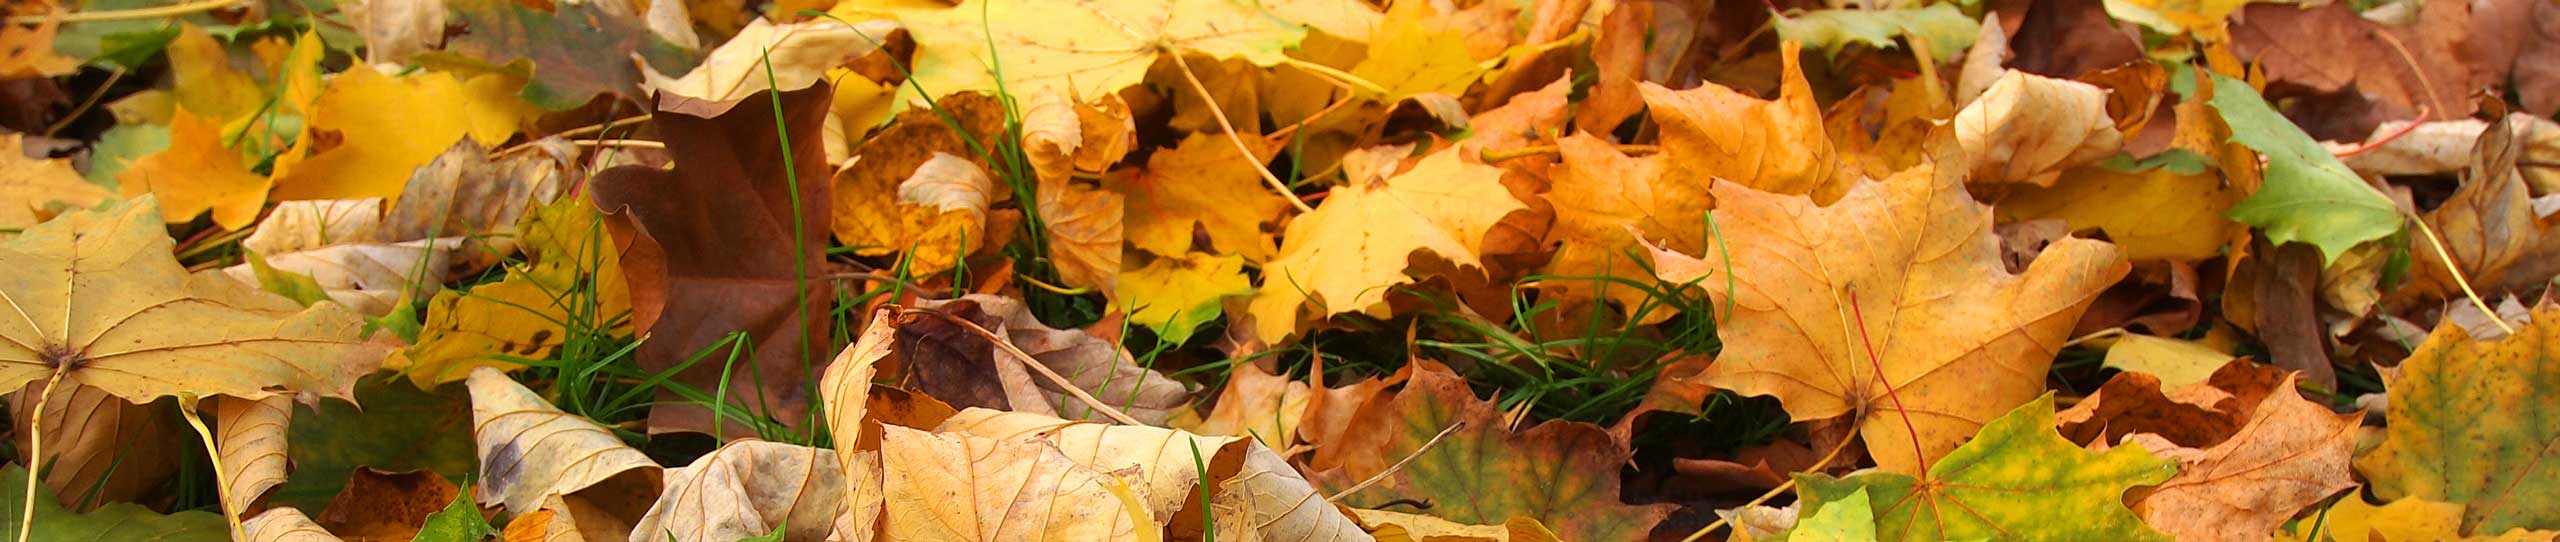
[
  {"x": 1400, "y": 463},
  {"x": 2423, "y": 114},
  {"x": 1221, "y": 114},
  {"x": 85, "y": 104},
  {"x": 1497, "y": 155},
  {"x": 174, "y": 10},
  {"x": 620, "y": 143},
  {"x": 1338, "y": 76},
  {"x": 1034, "y": 364},
  {"x": 574, "y": 133},
  {"x": 2451, "y": 268},
  {"x": 2412, "y": 62}
]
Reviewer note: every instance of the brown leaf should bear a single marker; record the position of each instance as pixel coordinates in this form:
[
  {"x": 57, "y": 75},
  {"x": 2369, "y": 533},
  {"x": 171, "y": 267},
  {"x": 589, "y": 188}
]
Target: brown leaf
[
  {"x": 868, "y": 214},
  {"x": 957, "y": 365},
  {"x": 1959, "y": 339},
  {"x": 2290, "y": 455},
  {"x": 380, "y": 506},
  {"x": 2370, "y": 71},
  {"x": 93, "y": 439},
  {"x": 2197, "y": 415},
  {"x": 712, "y": 243},
  {"x": 2537, "y": 69}
]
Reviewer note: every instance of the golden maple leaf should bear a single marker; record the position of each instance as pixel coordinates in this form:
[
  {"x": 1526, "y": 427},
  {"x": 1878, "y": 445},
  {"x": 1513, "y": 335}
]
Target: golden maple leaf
[
  {"x": 1959, "y": 339},
  {"x": 1347, "y": 253}
]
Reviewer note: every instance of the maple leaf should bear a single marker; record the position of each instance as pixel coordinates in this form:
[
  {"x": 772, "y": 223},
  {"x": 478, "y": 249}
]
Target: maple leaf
[
  {"x": 1946, "y": 28},
  {"x": 1713, "y": 132},
  {"x": 1202, "y": 184},
  {"x": 2440, "y": 447},
  {"x": 1351, "y": 250},
  {"x": 2017, "y": 481},
  {"x": 129, "y": 320},
  {"x": 367, "y": 131},
  {"x": 1603, "y": 200},
  {"x": 734, "y": 238},
  {"x": 1256, "y": 494},
  {"x": 2156, "y": 213},
  {"x": 1409, "y": 57},
  {"x": 2308, "y": 196},
  {"x": 1175, "y": 296},
  {"x": 2403, "y": 520},
  {"x": 2251, "y": 451},
  {"x": 1959, "y": 339},
  {"x": 873, "y": 218},
  {"x": 964, "y": 487},
  {"x": 36, "y": 188},
  {"x": 1079, "y": 48},
  {"x": 196, "y": 174},
  {"x": 1562, "y": 474}
]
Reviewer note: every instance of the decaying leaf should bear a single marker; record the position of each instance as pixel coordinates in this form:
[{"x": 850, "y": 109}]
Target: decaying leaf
[
  {"x": 2029, "y": 128},
  {"x": 2439, "y": 445},
  {"x": 2016, "y": 481},
  {"x": 531, "y": 452},
  {"x": 960, "y": 366},
  {"x": 1350, "y": 251},
  {"x": 962, "y": 487},
  {"x": 578, "y": 50},
  {"x": 752, "y": 488},
  {"x": 1958, "y": 338},
  {"x": 734, "y": 238}
]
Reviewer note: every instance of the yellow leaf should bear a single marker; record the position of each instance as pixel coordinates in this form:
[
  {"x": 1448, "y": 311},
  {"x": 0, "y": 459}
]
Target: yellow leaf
[
  {"x": 575, "y": 277},
  {"x": 2204, "y": 17},
  {"x": 1202, "y": 184},
  {"x": 2175, "y": 362},
  {"x": 126, "y": 318},
  {"x": 1600, "y": 195},
  {"x": 367, "y": 131},
  {"x": 1777, "y": 146},
  {"x": 195, "y": 174},
  {"x": 1349, "y": 252},
  {"x": 1080, "y": 49},
  {"x": 205, "y": 82},
  {"x": 2028, "y": 128},
  {"x": 968, "y": 488},
  {"x": 1175, "y": 295},
  {"x": 2154, "y": 214},
  {"x": 1408, "y": 57},
  {"x": 28, "y": 52},
  {"x": 36, "y": 189},
  {"x": 2405, "y": 520}
]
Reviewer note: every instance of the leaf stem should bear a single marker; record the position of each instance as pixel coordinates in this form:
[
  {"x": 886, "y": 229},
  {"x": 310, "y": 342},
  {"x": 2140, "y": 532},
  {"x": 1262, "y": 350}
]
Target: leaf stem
[
  {"x": 35, "y": 452},
  {"x": 1221, "y": 115},
  {"x": 2451, "y": 268},
  {"x": 221, "y": 480}
]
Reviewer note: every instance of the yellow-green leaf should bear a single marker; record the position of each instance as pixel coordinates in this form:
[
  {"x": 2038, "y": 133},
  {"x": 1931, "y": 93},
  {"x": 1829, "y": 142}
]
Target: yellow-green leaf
[{"x": 2018, "y": 480}]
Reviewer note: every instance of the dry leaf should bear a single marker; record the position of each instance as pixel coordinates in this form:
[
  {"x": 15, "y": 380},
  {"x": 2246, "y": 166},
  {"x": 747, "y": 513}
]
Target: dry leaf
[
  {"x": 1258, "y": 404},
  {"x": 195, "y": 174},
  {"x": 384, "y": 127},
  {"x": 1257, "y": 496},
  {"x": 1959, "y": 339},
  {"x": 2291, "y": 454},
  {"x": 380, "y": 506},
  {"x": 286, "y": 524},
  {"x": 38, "y": 188},
  {"x": 1714, "y": 132},
  {"x": 961, "y": 487},
  {"x": 1347, "y": 254},
  {"x": 531, "y": 452},
  {"x": 252, "y": 445},
  {"x": 793, "y": 55},
  {"x": 748, "y": 488},
  {"x": 99, "y": 448},
  {"x": 963, "y": 360},
  {"x": 1202, "y": 184},
  {"x": 2029, "y": 128}
]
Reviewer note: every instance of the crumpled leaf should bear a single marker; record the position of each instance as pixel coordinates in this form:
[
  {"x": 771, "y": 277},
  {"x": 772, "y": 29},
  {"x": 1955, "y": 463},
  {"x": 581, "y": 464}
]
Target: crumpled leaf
[
  {"x": 1946, "y": 28},
  {"x": 2446, "y": 146},
  {"x": 1351, "y": 250},
  {"x": 141, "y": 327},
  {"x": 2016, "y": 481},
  {"x": 1203, "y": 184},
  {"x": 394, "y": 29},
  {"x": 1958, "y": 338},
  {"x": 846, "y": 389},
  {"x": 1176, "y": 295},
  {"x": 2440, "y": 447},
  {"x": 196, "y": 173},
  {"x": 2029, "y": 128},
  {"x": 578, "y": 49},
  {"x": 1714, "y": 132},
  {"x": 334, "y": 243},
  {"x": 1561, "y": 474},
  {"x": 2487, "y": 227},
  {"x": 2290, "y": 454},
  {"x": 748, "y": 488},
  {"x": 957, "y": 365},
  {"x": 799, "y": 54},
  {"x": 115, "y": 521},
  {"x": 1087, "y": 49},
  {"x": 2308, "y": 195},
  {"x": 962, "y": 487},
  {"x": 713, "y": 243},
  {"x": 531, "y": 452},
  {"x": 872, "y": 218},
  {"x": 367, "y": 131},
  {"x": 38, "y": 188},
  {"x": 252, "y": 444}
]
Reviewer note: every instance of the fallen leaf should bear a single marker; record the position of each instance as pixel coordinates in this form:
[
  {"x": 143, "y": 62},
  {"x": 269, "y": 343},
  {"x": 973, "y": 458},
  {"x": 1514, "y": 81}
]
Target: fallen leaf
[
  {"x": 1176, "y": 295},
  {"x": 2308, "y": 196},
  {"x": 1350, "y": 251},
  {"x": 578, "y": 50},
  {"x": 1849, "y": 519},
  {"x": 97, "y": 447},
  {"x": 2290, "y": 455},
  {"x": 765, "y": 54},
  {"x": 1958, "y": 338},
  {"x": 2029, "y": 128},
  {"x": 725, "y": 258},
  {"x": 251, "y": 442},
  {"x": 965, "y": 361},
  {"x": 384, "y": 127},
  {"x": 204, "y": 81},
  {"x": 1258, "y": 404},
  {"x": 1948, "y": 31},
  {"x": 572, "y": 279},
  {"x": 2487, "y": 226},
  {"x": 1256, "y": 496},
  {"x": 2177, "y": 16},
  {"x": 751, "y": 488},
  {"x": 531, "y": 452},
  {"x": 2016, "y": 481},
  {"x": 1604, "y": 201},
  {"x": 1408, "y": 57},
  {"x": 1561, "y": 474},
  {"x": 1205, "y": 185},
  {"x": 147, "y": 329},
  {"x": 467, "y": 193},
  {"x": 845, "y": 388},
  {"x": 2175, "y": 362},
  {"x": 196, "y": 173},
  {"x": 1389, "y": 526},
  {"x": 384, "y": 506},
  {"x": 2403, "y": 520},
  {"x": 2440, "y": 447},
  {"x": 1715, "y": 132},
  {"x": 2152, "y": 214},
  {"x": 38, "y": 188},
  {"x": 872, "y": 218},
  {"x": 28, "y": 52},
  {"x": 459, "y": 521},
  {"x": 114, "y": 521},
  {"x": 399, "y": 428},
  {"x": 1090, "y": 49},
  {"x": 394, "y": 30},
  {"x": 286, "y": 525},
  {"x": 961, "y": 487},
  {"x": 2434, "y": 62}
]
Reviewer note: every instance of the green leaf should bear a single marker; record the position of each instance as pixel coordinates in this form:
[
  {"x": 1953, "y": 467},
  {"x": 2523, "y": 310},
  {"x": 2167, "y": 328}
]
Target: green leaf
[
  {"x": 1851, "y": 519},
  {"x": 2308, "y": 196},
  {"x": 2018, "y": 480},
  {"x": 457, "y": 522},
  {"x": 2444, "y": 444},
  {"x": 129, "y": 50},
  {"x": 114, "y": 521},
  {"x": 1949, "y": 32},
  {"x": 577, "y": 52},
  {"x": 300, "y": 288},
  {"x": 400, "y": 428},
  {"x": 120, "y": 146}
]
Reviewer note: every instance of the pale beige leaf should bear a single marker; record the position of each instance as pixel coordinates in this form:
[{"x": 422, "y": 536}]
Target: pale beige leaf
[
  {"x": 747, "y": 488},
  {"x": 34, "y": 189},
  {"x": 1259, "y": 404},
  {"x": 395, "y": 29},
  {"x": 949, "y": 183},
  {"x": 531, "y": 451},
  {"x": 99, "y": 296},
  {"x": 252, "y": 445},
  {"x": 798, "y": 54},
  {"x": 368, "y": 278},
  {"x": 1257, "y": 496},
  {"x": 286, "y": 524},
  {"x": 845, "y": 388},
  {"x": 2029, "y": 128},
  {"x": 1266, "y": 499},
  {"x": 968, "y": 488}
]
